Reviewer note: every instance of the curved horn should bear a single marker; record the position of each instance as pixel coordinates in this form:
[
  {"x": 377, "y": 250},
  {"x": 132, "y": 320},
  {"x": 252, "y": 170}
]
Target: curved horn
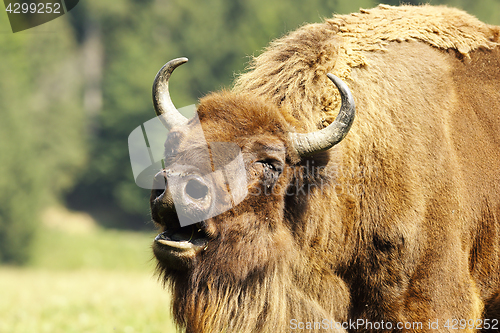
[
  {"x": 306, "y": 144},
  {"x": 164, "y": 108}
]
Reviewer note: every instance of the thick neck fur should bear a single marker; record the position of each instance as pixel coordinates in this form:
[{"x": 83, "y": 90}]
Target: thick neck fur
[{"x": 266, "y": 301}]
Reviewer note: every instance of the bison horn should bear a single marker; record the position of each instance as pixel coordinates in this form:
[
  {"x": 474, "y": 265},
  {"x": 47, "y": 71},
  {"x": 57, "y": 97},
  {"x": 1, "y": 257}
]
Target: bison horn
[
  {"x": 306, "y": 144},
  {"x": 164, "y": 108}
]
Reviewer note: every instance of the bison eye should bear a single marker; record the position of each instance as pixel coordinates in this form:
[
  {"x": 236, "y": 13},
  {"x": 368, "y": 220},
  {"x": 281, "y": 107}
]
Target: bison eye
[
  {"x": 271, "y": 172},
  {"x": 272, "y": 165}
]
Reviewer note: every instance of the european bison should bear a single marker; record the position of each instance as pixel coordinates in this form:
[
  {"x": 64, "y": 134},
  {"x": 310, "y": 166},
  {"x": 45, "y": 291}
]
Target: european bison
[{"x": 395, "y": 228}]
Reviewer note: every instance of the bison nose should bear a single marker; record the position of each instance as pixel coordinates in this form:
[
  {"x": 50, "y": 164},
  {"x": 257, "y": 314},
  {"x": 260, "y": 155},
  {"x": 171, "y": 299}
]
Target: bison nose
[
  {"x": 187, "y": 194},
  {"x": 160, "y": 195}
]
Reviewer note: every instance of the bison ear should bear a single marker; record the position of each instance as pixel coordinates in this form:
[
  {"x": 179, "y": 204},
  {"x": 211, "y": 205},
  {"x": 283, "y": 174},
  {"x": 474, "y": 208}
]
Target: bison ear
[
  {"x": 164, "y": 108},
  {"x": 306, "y": 144}
]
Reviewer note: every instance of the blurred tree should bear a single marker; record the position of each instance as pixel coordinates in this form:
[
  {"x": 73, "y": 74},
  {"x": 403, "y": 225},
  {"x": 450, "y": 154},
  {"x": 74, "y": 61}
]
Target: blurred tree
[{"x": 42, "y": 145}]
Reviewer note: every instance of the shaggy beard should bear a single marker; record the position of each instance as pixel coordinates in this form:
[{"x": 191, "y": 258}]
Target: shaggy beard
[
  {"x": 265, "y": 301},
  {"x": 250, "y": 278}
]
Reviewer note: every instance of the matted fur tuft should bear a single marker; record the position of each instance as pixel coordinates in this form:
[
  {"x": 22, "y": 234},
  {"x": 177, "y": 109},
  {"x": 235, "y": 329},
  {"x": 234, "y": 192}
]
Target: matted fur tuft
[{"x": 292, "y": 70}]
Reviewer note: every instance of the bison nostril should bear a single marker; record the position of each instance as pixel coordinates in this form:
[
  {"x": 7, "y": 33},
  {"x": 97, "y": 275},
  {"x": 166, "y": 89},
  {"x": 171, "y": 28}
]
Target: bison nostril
[{"x": 196, "y": 189}]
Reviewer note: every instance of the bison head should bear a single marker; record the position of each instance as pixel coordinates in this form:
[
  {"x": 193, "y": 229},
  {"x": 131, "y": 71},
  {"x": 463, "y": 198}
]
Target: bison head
[{"x": 230, "y": 242}]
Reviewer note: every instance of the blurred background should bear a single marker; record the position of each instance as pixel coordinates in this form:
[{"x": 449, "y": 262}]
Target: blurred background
[{"x": 75, "y": 230}]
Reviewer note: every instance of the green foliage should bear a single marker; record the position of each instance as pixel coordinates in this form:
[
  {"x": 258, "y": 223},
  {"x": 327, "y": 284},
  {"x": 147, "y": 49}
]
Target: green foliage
[{"x": 41, "y": 138}]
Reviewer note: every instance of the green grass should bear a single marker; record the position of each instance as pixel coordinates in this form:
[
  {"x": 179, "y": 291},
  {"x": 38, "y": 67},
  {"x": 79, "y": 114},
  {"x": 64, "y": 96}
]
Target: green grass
[
  {"x": 33, "y": 300},
  {"x": 97, "y": 249},
  {"x": 94, "y": 280}
]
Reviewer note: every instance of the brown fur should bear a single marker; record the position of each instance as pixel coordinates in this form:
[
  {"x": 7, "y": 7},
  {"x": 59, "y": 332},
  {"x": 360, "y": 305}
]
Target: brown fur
[{"x": 401, "y": 220}]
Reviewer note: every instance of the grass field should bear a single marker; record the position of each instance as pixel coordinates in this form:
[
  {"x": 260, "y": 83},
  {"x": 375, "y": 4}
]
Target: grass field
[{"x": 83, "y": 278}]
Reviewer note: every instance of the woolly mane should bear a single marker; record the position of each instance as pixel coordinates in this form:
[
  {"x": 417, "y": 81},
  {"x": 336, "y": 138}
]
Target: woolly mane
[{"x": 291, "y": 71}]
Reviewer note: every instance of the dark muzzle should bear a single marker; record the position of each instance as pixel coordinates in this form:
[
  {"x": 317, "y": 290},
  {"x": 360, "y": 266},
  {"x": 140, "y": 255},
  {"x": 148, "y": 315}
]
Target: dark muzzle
[{"x": 188, "y": 194}]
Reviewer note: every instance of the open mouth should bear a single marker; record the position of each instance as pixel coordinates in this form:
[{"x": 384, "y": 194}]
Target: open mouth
[{"x": 178, "y": 245}]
